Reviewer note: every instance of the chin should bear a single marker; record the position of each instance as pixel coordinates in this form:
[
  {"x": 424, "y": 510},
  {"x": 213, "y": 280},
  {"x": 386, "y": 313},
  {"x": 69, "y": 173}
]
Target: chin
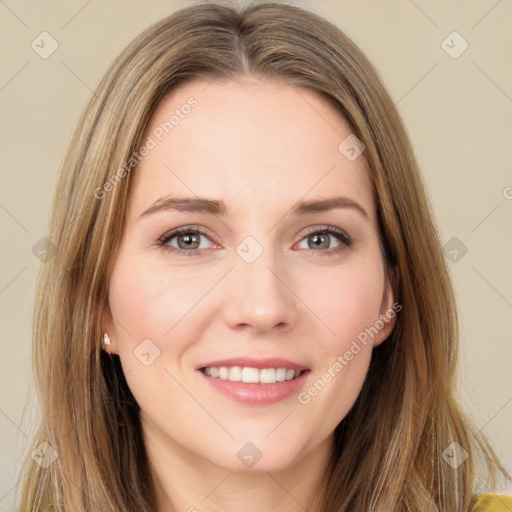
[{"x": 257, "y": 457}]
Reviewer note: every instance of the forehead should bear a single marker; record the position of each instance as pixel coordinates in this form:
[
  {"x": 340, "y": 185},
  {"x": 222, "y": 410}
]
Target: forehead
[{"x": 252, "y": 143}]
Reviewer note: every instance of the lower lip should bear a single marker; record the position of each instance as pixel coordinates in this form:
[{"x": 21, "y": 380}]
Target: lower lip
[{"x": 257, "y": 394}]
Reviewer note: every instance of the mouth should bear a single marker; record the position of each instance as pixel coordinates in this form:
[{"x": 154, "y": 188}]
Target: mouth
[
  {"x": 251, "y": 375},
  {"x": 255, "y": 382}
]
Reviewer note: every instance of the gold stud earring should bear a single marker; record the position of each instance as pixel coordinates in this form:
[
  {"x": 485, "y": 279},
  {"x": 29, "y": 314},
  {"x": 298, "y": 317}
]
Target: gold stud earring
[{"x": 106, "y": 339}]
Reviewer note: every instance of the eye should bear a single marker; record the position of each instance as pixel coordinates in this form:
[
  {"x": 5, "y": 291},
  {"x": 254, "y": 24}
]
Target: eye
[
  {"x": 320, "y": 239},
  {"x": 188, "y": 240}
]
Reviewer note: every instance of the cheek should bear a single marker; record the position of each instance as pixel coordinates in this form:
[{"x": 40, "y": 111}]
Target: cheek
[
  {"x": 348, "y": 304},
  {"x": 347, "y": 301},
  {"x": 148, "y": 301},
  {"x": 138, "y": 305}
]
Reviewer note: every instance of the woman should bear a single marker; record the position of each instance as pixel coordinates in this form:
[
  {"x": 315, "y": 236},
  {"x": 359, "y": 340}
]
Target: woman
[{"x": 249, "y": 306}]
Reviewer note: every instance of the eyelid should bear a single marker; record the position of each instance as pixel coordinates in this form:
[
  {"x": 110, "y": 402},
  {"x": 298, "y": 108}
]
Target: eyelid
[
  {"x": 327, "y": 229},
  {"x": 172, "y": 233},
  {"x": 346, "y": 241},
  {"x": 343, "y": 237}
]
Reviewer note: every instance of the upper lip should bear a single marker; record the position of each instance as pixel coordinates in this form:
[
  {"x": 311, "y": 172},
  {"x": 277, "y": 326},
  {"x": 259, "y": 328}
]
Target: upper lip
[{"x": 268, "y": 362}]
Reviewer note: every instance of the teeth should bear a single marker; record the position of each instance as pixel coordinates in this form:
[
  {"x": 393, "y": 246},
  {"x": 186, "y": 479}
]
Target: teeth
[
  {"x": 290, "y": 374},
  {"x": 235, "y": 374},
  {"x": 281, "y": 374},
  {"x": 268, "y": 376},
  {"x": 251, "y": 375}
]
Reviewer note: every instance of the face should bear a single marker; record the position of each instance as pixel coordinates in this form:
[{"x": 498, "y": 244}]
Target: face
[{"x": 266, "y": 275}]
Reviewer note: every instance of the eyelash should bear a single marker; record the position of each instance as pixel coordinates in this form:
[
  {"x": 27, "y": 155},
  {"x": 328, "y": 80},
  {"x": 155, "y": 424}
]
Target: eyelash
[{"x": 346, "y": 241}]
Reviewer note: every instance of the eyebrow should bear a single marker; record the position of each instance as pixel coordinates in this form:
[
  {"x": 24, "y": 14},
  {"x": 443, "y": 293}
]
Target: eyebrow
[{"x": 218, "y": 208}]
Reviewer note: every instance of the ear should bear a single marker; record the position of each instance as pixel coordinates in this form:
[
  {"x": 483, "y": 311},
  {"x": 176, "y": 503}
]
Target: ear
[
  {"x": 389, "y": 307},
  {"x": 108, "y": 326}
]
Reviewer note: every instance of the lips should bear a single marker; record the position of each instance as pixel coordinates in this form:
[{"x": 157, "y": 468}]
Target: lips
[
  {"x": 254, "y": 392},
  {"x": 269, "y": 362}
]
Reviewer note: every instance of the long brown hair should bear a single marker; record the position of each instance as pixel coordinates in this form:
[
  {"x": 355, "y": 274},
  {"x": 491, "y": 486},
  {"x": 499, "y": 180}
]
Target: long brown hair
[{"x": 388, "y": 450}]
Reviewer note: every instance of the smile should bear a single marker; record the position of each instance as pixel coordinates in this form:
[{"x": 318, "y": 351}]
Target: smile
[
  {"x": 254, "y": 387},
  {"x": 251, "y": 375}
]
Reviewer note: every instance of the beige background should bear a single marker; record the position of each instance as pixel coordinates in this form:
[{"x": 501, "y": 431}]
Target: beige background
[{"x": 457, "y": 111}]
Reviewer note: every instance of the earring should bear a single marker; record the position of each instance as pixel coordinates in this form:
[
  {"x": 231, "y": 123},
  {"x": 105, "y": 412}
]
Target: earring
[{"x": 106, "y": 339}]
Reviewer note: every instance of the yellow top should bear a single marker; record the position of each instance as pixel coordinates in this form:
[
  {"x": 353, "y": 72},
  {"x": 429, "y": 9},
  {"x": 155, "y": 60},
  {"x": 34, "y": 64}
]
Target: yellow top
[{"x": 493, "y": 503}]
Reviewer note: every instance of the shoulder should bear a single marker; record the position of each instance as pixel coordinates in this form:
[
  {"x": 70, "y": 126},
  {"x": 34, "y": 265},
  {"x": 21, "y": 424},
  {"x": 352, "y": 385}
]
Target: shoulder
[{"x": 493, "y": 503}]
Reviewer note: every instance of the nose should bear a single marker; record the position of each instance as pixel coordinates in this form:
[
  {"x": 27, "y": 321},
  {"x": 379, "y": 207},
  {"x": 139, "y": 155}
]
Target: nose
[{"x": 260, "y": 296}]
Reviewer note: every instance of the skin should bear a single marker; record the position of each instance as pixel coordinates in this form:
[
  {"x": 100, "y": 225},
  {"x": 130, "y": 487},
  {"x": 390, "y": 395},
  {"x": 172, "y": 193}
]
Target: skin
[{"x": 260, "y": 147}]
